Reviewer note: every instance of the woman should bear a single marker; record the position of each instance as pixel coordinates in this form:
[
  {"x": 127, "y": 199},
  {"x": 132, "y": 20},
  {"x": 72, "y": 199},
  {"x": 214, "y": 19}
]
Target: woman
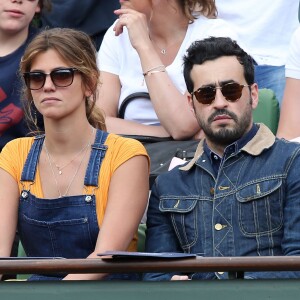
[
  {"x": 289, "y": 126},
  {"x": 142, "y": 52},
  {"x": 77, "y": 190}
]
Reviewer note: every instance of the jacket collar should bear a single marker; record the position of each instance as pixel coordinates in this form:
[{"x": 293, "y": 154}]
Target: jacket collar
[{"x": 263, "y": 139}]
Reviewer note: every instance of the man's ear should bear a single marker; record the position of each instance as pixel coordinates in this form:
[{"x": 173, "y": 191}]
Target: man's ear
[
  {"x": 254, "y": 95},
  {"x": 190, "y": 102}
]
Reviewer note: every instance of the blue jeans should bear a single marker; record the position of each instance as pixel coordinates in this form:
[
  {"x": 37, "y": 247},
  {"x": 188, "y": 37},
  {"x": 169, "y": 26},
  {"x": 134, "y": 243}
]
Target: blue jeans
[
  {"x": 64, "y": 227},
  {"x": 271, "y": 77}
]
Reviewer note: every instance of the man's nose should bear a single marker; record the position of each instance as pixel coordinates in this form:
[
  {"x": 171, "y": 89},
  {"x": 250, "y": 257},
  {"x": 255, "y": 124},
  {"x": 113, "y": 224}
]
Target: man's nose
[{"x": 220, "y": 101}]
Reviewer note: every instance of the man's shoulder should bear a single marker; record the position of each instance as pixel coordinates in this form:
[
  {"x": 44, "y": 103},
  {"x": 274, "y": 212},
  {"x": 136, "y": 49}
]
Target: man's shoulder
[{"x": 286, "y": 144}]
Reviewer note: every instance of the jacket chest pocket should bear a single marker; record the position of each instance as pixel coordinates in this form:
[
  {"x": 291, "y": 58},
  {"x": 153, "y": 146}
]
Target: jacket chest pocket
[
  {"x": 184, "y": 216},
  {"x": 260, "y": 207}
]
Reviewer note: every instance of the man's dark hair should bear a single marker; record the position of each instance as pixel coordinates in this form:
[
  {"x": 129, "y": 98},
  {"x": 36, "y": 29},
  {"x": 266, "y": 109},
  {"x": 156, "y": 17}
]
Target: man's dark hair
[{"x": 212, "y": 48}]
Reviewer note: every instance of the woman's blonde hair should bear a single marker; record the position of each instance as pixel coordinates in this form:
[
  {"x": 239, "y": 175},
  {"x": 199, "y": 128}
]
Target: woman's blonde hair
[
  {"x": 194, "y": 8},
  {"x": 76, "y": 48}
]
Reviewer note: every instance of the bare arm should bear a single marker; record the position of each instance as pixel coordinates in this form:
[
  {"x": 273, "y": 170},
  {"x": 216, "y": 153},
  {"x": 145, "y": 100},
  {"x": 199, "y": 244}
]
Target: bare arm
[
  {"x": 9, "y": 200},
  {"x": 109, "y": 93},
  {"x": 289, "y": 126},
  {"x": 170, "y": 105},
  {"x": 127, "y": 200}
]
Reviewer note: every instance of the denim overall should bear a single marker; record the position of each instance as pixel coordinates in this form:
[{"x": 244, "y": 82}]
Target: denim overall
[{"x": 65, "y": 227}]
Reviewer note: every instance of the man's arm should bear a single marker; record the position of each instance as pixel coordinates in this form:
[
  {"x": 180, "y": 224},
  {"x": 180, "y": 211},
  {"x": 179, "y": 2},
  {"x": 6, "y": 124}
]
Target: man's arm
[{"x": 160, "y": 236}]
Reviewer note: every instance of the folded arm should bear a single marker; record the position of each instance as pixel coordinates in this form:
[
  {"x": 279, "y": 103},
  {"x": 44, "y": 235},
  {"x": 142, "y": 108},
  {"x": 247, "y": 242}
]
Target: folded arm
[
  {"x": 9, "y": 201},
  {"x": 127, "y": 200}
]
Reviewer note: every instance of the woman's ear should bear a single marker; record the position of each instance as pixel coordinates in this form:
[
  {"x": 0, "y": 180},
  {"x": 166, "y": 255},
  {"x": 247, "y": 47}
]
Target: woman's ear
[{"x": 87, "y": 93}]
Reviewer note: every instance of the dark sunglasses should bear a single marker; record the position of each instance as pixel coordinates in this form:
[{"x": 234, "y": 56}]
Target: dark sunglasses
[
  {"x": 231, "y": 91},
  {"x": 62, "y": 77}
]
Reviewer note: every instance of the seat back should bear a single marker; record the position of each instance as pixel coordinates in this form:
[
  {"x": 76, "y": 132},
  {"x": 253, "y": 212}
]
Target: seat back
[{"x": 267, "y": 110}]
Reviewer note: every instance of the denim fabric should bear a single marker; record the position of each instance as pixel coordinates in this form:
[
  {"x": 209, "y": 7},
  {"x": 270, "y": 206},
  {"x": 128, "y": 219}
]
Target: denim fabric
[
  {"x": 271, "y": 77},
  {"x": 65, "y": 227},
  {"x": 251, "y": 208}
]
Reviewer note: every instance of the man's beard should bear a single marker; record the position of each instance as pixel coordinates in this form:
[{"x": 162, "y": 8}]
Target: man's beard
[{"x": 226, "y": 136}]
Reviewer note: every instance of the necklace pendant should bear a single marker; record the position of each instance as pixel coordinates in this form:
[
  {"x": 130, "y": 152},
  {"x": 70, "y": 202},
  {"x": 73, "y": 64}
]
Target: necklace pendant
[
  {"x": 59, "y": 172},
  {"x": 163, "y": 51}
]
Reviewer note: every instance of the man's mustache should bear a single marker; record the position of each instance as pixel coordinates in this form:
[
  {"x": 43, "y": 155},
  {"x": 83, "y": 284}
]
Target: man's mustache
[{"x": 221, "y": 112}]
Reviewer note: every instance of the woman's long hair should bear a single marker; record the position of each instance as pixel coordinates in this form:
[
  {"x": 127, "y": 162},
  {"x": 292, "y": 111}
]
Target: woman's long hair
[
  {"x": 76, "y": 48},
  {"x": 194, "y": 8}
]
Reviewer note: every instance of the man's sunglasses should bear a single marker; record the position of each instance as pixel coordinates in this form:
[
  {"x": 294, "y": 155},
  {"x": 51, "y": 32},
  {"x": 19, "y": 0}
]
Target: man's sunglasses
[
  {"x": 231, "y": 91},
  {"x": 62, "y": 77}
]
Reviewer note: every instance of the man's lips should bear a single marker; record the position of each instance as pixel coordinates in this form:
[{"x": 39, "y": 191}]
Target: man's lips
[{"x": 222, "y": 117}]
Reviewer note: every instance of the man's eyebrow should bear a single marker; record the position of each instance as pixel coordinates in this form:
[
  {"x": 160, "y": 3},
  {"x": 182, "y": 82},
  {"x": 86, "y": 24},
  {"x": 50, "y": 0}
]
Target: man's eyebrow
[
  {"x": 220, "y": 83},
  {"x": 226, "y": 81}
]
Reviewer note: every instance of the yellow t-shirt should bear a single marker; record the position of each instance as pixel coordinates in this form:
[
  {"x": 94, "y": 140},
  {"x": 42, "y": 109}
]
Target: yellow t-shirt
[{"x": 119, "y": 150}]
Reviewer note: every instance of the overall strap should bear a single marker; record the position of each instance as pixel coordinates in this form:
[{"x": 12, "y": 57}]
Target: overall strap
[
  {"x": 96, "y": 158},
  {"x": 29, "y": 169}
]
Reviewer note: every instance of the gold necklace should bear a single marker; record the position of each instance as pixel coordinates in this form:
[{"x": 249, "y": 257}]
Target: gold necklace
[
  {"x": 163, "y": 51},
  {"x": 73, "y": 178},
  {"x": 59, "y": 169},
  {"x": 85, "y": 148}
]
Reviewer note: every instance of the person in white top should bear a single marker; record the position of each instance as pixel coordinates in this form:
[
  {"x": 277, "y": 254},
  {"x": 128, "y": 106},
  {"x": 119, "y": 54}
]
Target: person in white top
[
  {"x": 142, "y": 52},
  {"x": 265, "y": 27},
  {"x": 289, "y": 125}
]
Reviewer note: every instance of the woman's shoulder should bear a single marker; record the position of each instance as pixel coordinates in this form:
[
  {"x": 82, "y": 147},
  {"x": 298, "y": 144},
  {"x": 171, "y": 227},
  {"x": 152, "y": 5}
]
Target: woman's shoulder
[
  {"x": 14, "y": 154},
  {"x": 23, "y": 143},
  {"x": 213, "y": 27}
]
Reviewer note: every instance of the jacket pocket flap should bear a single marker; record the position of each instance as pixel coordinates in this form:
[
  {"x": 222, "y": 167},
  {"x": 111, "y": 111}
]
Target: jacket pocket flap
[
  {"x": 181, "y": 205},
  {"x": 258, "y": 190}
]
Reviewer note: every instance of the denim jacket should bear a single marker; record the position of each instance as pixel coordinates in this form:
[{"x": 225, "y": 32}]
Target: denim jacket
[{"x": 250, "y": 208}]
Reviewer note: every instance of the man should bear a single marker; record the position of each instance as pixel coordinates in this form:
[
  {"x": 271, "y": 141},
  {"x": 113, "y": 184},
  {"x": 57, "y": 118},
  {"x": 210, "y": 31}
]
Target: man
[{"x": 240, "y": 194}]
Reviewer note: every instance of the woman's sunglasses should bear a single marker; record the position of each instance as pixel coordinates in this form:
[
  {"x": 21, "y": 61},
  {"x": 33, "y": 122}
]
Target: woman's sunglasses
[
  {"x": 231, "y": 91},
  {"x": 62, "y": 77}
]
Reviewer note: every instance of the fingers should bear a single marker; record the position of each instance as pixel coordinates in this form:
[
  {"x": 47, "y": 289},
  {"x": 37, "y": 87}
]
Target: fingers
[
  {"x": 122, "y": 11},
  {"x": 118, "y": 29},
  {"x": 123, "y": 20}
]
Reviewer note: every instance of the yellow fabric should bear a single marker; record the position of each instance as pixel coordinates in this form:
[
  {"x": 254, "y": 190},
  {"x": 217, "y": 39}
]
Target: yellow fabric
[{"x": 14, "y": 154}]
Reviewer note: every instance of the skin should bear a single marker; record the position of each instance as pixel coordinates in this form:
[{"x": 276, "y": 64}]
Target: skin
[
  {"x": 63, "y": 109},
  {"x": 222, "y": 70},
  {"x": 288, "y": 127},
  {"x": 15, "y": 17},
  {"x": 151, "y": 23},
  {"x": 213, "y": 72}
]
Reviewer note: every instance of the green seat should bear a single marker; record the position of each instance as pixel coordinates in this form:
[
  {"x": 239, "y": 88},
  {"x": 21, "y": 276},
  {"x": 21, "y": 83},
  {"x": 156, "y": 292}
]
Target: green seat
[
  {"x": 267, "y": 110},
  {"x": 21, "y": 253},
  {"x": 141, "y": 238}
]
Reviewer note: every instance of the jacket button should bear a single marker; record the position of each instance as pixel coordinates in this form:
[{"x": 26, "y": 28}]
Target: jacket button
[
  {"x": 212, "y": 191},
  {"x": 218, "y": 226}
]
